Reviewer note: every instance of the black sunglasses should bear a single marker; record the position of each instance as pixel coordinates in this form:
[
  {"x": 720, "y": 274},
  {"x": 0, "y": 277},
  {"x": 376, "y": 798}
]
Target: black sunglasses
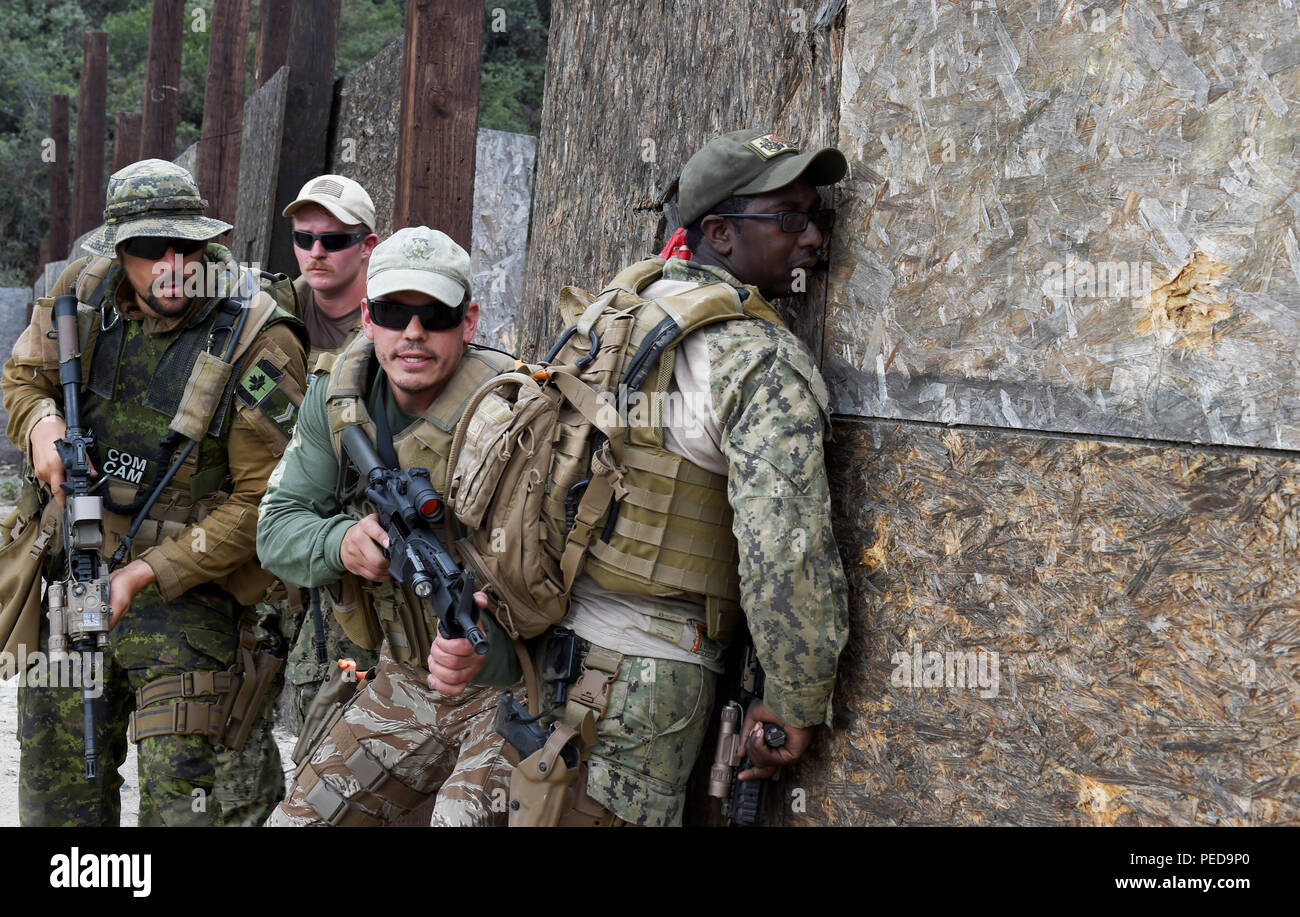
[
  {"x": 395, "y": 316},
  {"x": 330, "y": 241},
  {"x": 792, "y": 221},
  {"x": 154, "y": 247}
]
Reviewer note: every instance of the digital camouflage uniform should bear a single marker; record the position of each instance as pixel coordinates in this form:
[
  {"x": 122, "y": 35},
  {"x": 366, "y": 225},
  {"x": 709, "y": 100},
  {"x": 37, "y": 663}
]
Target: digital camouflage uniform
[
  {"x": 771, "y": 403},
  {"x": 306, "y": 670},
  {"x": 397, "y": 741},
  {"x": 188, "y": 621}
]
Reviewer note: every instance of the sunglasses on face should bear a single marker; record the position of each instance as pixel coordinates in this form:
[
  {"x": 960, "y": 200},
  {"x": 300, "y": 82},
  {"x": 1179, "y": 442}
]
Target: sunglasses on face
[
  {"x": 154, "y": 247},
  {"x": 330, "y": 241},
  {"x": 395, "y": 316},
  {"x": 792, "y": 221}
]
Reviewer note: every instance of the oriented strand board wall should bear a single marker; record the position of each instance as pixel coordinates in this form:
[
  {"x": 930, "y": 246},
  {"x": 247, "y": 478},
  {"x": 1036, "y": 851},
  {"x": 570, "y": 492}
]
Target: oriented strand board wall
[
  {"x": 1143, "y": 599},
  {"x": 1142, "y": 603},
  {"x": 632, "y": 90},
  {"x": 1089, "y": 222}
]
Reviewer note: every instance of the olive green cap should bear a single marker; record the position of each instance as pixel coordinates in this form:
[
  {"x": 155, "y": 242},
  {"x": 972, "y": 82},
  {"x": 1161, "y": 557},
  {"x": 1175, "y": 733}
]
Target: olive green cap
[
  {"x": 749, "y": 163},
  {"x": 152, "y": 197},
  {"x": 421, "y": 259}
]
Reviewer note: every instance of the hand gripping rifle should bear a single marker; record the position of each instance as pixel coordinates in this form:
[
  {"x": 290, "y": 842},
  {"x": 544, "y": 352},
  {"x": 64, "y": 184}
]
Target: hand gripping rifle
[
  {"x": 79, "y": 604},
  {"x": 408, "y": 507},
  {"x": 742, "y": 800}
]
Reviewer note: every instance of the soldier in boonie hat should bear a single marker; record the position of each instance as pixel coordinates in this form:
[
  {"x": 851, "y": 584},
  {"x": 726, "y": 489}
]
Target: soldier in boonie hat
[{"x": 152, "y": 198}]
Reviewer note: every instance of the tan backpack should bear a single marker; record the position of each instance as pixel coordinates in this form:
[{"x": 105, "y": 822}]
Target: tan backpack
[{"x": 538, "y": 465}]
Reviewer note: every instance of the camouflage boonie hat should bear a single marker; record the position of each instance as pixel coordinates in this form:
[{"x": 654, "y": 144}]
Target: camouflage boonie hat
[
  {"x": 748, "y": 163},
  {"x": 152, "y": 198}
]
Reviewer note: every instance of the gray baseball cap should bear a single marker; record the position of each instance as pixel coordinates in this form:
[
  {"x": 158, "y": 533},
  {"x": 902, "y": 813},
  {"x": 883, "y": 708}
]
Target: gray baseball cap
[
  {"x": 341, "y": 196},
  {"x": 748, "y": 163},
  {"x": 421, "y": 259},
  {"x": 153, "y": 198}
]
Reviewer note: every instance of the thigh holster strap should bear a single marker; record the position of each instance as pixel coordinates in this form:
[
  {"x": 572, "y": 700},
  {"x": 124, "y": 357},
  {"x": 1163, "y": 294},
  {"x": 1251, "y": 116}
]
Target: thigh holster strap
[
  {"x": 589, "y": 695},
  {"x": 330, "y": 805},
  {"x": 375, "y": 781},
  {"x": 187, "y": 684},
  {"x": 187, "y": 718}
]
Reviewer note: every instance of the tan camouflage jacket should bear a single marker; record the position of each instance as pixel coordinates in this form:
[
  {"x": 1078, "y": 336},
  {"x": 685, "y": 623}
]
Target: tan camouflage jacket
[{"x": 31, "y": 391}]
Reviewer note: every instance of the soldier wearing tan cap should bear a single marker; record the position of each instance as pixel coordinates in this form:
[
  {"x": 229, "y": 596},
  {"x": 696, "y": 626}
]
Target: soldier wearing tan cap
[
  {"x": 333, "y": 237},
  {"x": 422, "y": 725}
]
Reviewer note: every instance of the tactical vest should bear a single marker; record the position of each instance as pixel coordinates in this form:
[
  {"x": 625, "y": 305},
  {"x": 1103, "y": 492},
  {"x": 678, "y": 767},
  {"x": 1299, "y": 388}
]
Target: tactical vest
[
  {"x": 634, "y": 516},
  {"x": 408, "y": 623},
  {"x": 141, "y": 387},
  {"x": 672, "y": 536}
]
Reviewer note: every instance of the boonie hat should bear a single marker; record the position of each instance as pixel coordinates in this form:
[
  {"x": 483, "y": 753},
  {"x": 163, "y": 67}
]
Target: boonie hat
[
  {"x": 341, "y": 196},
  {"x": 748, "y": 163},
  {"x": 421, "y": 259},
  {"x": 152, "y": 197}
]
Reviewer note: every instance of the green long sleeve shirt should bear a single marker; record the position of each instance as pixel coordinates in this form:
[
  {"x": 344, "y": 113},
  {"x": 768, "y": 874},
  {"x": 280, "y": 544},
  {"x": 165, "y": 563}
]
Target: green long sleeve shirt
[{"x": 301, "y": 524}]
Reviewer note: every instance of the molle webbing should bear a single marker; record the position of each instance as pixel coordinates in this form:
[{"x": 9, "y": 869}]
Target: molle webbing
[
  {"x": 670, "y": 533},
  {"x": 171, "y": 375}
]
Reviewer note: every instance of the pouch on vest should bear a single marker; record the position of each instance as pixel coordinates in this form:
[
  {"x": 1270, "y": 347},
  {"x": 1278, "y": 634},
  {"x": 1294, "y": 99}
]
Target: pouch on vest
[
  {"x": 26, "y": 538},
  {"x": 355, "y": 612},
  {"x": 339, "y": 688}
]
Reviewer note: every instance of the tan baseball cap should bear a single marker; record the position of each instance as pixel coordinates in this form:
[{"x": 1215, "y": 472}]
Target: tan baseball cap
[
  {"x": 341, "y": 196},
  {"x": 749, "y": 163},
  {"x": 421, "y": 259}
]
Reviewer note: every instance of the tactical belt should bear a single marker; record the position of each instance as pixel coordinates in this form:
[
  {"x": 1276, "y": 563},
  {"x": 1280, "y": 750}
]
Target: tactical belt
[
  {"x": 378, "y": 784},
  {"x": 228, "y": 721}
]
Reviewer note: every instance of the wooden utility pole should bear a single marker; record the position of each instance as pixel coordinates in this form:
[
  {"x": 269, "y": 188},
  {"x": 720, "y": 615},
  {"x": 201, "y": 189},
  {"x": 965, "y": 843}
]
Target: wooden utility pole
[
  {"x": 273, "y": 24},
  {"x": 439, "y": 117},
  {"x": 304, "y": 148},
  {"x": 223, "y": 108},
  {"x": 60, "y": 224},
  {"x": 161, "y": 104},
  {"x": 88, "y": 170},
  {"x": 126, "y": 139}
]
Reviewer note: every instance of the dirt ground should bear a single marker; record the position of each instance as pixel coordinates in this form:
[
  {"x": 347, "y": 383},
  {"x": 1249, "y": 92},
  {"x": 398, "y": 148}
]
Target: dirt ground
[{"x": 9, "y": 754}]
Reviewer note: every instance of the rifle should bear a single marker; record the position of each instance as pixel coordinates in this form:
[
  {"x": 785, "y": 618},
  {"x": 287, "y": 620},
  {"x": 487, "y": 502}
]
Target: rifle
[
  {"x": 742, "y": 800},
  {"x": 79, "y": 604},
  {"x": 408, "y": 507}
]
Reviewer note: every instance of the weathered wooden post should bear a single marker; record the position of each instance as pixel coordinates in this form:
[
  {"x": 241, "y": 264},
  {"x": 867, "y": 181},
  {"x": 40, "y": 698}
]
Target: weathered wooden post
[
  {"x": 59, "y": 237},
  {"x": 439, "y": 117},
  {"x": 304, "y": 148},
  {"x": 88, "y": 171},
  {"x": 126, "y": 138},
  {"x": 162, "y": 81},
  {"x": 223, "y": 108},
  {"x": 273, "y": 23}
]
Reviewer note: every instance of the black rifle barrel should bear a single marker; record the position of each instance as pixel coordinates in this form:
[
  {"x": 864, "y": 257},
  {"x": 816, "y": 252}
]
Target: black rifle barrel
[{"x": 74, "y": 448}]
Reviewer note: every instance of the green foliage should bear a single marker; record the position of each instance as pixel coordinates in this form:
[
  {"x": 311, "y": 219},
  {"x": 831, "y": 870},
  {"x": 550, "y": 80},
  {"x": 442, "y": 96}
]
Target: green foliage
[
  {"x": 365, "y": 28},
  {"x": 514, "y": 65},
  {"x": 41, "y": 54}
]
